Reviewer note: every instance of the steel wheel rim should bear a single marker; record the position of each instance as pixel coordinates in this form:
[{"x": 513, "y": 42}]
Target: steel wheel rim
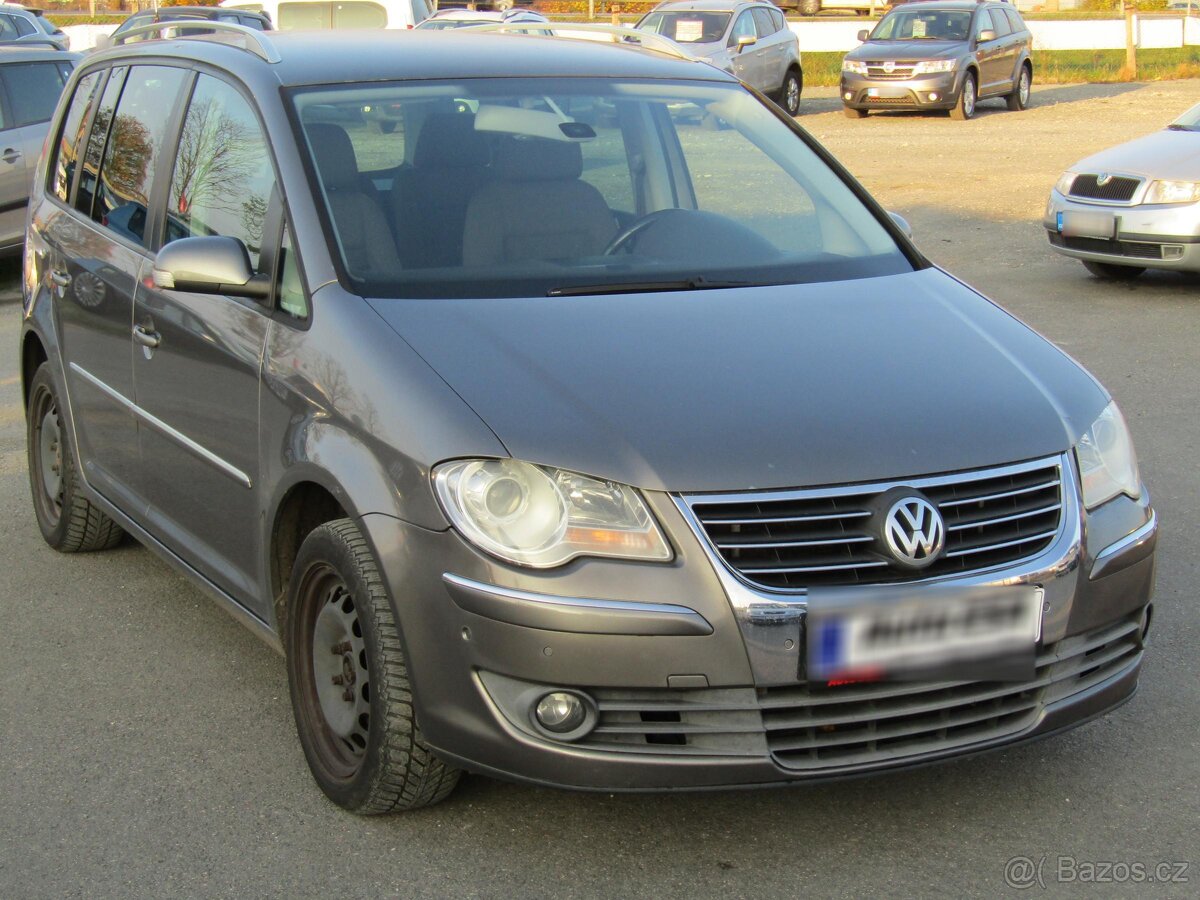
[
  {"x": 1023, "y": 87},
  {"x": 969, "y": 97},
  {"x": 336, "y": 694},
  {"x": 48, "y": 456},
  {"x": 793, "y": 96}
]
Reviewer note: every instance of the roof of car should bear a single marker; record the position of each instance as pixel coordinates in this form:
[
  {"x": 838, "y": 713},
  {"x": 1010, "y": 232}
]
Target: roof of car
[
  {"x": 327, "y": 57},
  {"x": 165, "y": 13},
  {"x": 20, "y": 53},
  {"x": 714, "y": 5},
  {"x": 952, "y": 4}
]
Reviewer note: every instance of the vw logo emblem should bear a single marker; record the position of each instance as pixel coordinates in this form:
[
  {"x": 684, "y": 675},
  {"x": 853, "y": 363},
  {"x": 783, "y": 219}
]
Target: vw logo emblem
[
  {"x": 1103, "y": 178},
  {"x": 914, "y": 532}
]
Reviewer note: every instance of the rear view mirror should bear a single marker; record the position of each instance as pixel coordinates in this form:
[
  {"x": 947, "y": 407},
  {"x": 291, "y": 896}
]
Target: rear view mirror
[
  {"x": 901, "y": 223},
  {"x": 863, "y": 35},
  {"x": 745, "y": 40},
  {"x": 209, "y": 265},
  {"x": 986, "y": 35}
]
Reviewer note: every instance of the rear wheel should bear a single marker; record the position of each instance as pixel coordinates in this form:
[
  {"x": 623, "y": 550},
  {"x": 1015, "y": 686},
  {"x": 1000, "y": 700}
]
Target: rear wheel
[
  {"x": 68, "y": 521},
  {"x": 851, "y": 113},
  {"x": 349, "y": 681},
  {"x": 789, "y": 93},
  {"x": 965, "y": 107},
  {"x": 1111, "y": 272},
  {"x": 1019, "y": 98}
]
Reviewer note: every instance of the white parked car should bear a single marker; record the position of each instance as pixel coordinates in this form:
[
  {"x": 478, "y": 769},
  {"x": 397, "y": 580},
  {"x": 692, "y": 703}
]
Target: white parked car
[{"x": 303, "y": 15}]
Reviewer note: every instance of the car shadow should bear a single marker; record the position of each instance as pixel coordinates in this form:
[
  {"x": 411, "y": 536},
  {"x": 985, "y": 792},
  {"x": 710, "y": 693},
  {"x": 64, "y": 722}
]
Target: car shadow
[{"x": 1052, "y": 95}]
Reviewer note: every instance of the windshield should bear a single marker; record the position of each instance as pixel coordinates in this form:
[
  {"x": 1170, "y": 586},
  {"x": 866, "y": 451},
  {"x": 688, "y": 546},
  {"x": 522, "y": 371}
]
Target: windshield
[
  {"x": 688, "y": 27},
  {"x": 924, "y": 25},
  {"x": 1189, "y": 121},
  {"x": 535, "y": 187}
]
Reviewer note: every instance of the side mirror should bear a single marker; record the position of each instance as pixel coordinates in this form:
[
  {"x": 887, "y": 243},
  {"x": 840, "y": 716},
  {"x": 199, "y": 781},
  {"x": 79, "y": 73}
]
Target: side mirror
[
  {"x": 863, "y": 36},
  {"x": 745, "y": 40},
  {"x": 986, "y": 35},
  {"x": 209, "y": 265},
  {"x": 103, "y": 42},
  {"x": 901, "y": 223}
]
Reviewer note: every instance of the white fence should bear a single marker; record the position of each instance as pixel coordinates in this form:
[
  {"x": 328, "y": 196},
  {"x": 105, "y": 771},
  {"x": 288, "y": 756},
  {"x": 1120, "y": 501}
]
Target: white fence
[{"x": 838, "y": 36}]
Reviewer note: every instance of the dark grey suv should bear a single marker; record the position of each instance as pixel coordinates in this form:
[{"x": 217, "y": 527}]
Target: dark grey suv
[
  {"x": 462, "y": 368},
  {"x": 940, "y": 55}
]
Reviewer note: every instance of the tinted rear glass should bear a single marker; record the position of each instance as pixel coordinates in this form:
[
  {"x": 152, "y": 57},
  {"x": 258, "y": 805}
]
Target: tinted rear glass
[
  {"x": 63, "y": 168},
  {"x": 33, "y": 89}
]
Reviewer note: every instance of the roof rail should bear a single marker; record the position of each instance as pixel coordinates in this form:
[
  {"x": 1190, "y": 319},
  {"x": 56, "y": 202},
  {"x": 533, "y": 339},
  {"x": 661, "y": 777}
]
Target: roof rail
[
  {"x": 255, "y": 42},
  {"x": 618, "y": 33}
]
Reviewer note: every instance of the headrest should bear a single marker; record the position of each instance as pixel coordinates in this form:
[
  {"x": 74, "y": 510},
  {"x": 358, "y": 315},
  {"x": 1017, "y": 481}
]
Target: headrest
[
  {"x": 538, "y": 159},
  {"x": 450, "y": 141},
  {"x": 334, "y": 155}
]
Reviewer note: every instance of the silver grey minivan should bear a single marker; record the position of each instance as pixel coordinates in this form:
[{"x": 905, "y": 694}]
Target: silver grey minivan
[{"x": 462, "y": 369}]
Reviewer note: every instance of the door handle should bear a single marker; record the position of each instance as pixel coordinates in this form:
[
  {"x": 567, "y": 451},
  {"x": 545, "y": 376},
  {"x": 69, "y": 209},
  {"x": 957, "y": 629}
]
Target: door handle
[
  {"x": 62, "y": 279},
  {"x": 10, "y": 155},
  {"x": 150, "y": 339}
]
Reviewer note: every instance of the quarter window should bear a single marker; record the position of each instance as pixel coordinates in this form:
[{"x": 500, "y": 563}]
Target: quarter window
[
  {"x": 63, "y": 169},
  {"x": 1000, "y": 21},
  {"x": 223, "y": 178},
  {"x": 24, "y": 26},
  {"x": 135, "y": 140},
  {"x": 763, "y": 21},
  {"x": 34, "y": 89},
  {"x": 94, "y": 150},
  {"x": 292, "y": 299}
]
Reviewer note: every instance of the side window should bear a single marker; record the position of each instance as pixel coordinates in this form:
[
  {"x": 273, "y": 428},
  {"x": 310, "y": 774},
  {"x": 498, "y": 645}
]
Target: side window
[
  {"x": 63, "y": 168},
  {"x": 1014, "y": 19},
  {"x": 983, "y": 22},
  {"x": 1000, "y": 21},
  {"x": 763, "y": 21},
  {"x": 93, "y": 152},
  {"x": 8, "y": 30},
  {"x": 292, "y": 298},
  {"x": 780, "y": 21},
  {"x": 743, "y": 25},
  {"x": 135, "y": 140},
  {"x": 24, "y": 26},
  {"x": 34, "y": 89},
  {"x": 223, "y": 176},
  {"x": 420, "y": 11}
]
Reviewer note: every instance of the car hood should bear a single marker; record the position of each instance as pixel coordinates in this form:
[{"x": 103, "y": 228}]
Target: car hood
[
  {"x": 766, "y": 387},
  {"x": 906, "y": 50},
  {"x": 1169, "y": 155}
]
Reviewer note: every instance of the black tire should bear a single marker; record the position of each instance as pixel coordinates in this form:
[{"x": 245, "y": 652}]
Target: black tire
[
  {"x": 852, "y": 113},
  {"x": 789, "y": 92},
  {"x": 376, "y": 762},
  {"x": 1019, "y": 98},
  {"x": 809, "y": 7},
  {"x": 967, "y": 98},
  {"x": 1110, "y": 272},
  {"x": 70, "y": 523}
]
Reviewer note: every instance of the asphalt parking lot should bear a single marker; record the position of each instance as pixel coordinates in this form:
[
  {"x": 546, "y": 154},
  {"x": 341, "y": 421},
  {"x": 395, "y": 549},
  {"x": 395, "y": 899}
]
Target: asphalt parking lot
[{"x": 147, "y": 746}]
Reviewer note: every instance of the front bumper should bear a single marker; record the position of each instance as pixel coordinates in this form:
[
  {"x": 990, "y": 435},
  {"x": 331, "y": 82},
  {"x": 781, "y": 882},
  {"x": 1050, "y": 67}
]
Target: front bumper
[
  {"x": 1163, "y": 236},
  {"x": 696, "y": 688},
  {"x": 939, "y": 91}
]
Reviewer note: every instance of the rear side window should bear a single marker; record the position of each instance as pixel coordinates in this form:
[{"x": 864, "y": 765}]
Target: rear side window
[
  {"x": 1014, "y": 19},
  {"x": 223, "y": 178},
  {"x": 85, "y": 194},
  {"x": 780, "y": 23},
  {"x": 764, "y": 22},
  {"x": 24, "y": 26},
  {"x": 63, "y": 169},
  {"x": 135, "y": 140},
  {"x": 33, "y": 89},
  {"x": 1000, "y": 21},
  {"x": 8, "y": 29}
]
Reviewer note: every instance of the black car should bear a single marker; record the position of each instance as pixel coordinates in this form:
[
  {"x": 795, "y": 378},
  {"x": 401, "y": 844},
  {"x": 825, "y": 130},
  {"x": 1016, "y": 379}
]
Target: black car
[
  {"x": 257, "y": 20},
  {"x": 944, "y": 56}
]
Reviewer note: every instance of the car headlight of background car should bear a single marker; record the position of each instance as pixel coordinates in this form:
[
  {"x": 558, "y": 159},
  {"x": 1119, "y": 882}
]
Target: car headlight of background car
[
  {"x": 541, "y": 517},
  {"x": 933, "y": 66},
  {"x": 1107, "y": 463},
  {"x": 1065, "y": 182},
  {"x": 856, "y": 66},
  {"x": 1173, "y": 192}
]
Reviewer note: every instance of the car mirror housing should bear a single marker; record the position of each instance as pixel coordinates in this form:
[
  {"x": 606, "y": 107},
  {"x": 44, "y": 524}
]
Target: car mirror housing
[
  {"x": 901, "y": 223},
  {"x": 209, "y": 265},
  {"x": 986, "y": 35},
  {"x": 745, "y": 40},
  {"x": 863, "y": 35}
]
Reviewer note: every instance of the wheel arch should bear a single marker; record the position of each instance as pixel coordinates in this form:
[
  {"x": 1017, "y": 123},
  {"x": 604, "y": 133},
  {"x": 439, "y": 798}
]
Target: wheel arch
[
  {"x": 33, "y": 354},
  {"x": 303, "y": 506}
]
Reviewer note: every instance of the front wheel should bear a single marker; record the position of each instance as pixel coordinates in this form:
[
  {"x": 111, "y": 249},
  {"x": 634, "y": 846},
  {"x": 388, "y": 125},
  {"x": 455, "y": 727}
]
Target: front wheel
[
  {"x": 789, "y": 93},
  {"x": 1019, "y": 98},
  {"x": 965, "y": 107},
  {"x": 1113, "y": 273},
  {"x": 349, "y": 681}
]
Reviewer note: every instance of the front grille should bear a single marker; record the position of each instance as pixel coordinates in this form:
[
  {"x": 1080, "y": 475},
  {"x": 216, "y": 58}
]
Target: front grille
[
  {"x": 1119, "y": 190},
  {"x": 855, "y": 725},
  {"x": 821, "y": 730},
  {"x": 798, "y": 539},
  {"x": 1134, "y": 249},
  {"x": 900, "y": 72}
]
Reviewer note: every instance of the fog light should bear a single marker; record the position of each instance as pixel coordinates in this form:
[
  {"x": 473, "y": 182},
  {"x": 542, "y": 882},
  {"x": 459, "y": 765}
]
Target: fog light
[
  {"x": 560, "y": 712},
  {"x": 1172, "y": 251},
  {"x": 849, "y": 95},
  {"x": 934, "y": 96}
]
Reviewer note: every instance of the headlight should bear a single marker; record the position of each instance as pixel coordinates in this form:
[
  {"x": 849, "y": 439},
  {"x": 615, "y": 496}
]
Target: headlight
[
  {"x": 857, "y": 66},
  {"x": 541, "y": 517},
  {"x": 1107, "y": 464},
  {"x": 1173, "y": 192},
  {"x": 1065, "y": 181},
  {"x": 931, "y": 66}
]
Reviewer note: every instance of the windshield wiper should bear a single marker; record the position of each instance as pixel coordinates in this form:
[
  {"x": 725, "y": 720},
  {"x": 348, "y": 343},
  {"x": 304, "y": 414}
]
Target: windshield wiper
[
  {"x": 648, "y": 287},
  {"x": 1179, "y": 126}
]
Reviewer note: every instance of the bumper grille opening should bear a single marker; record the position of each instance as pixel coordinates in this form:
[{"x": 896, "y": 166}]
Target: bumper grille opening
[
  {"x": 1133, "y": 249},
  {"x": 794, "y": 540}
]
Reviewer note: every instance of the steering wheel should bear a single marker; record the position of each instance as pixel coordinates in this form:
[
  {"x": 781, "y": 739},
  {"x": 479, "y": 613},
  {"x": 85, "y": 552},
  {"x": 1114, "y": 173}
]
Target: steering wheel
[{"x": 636, "y": 227}]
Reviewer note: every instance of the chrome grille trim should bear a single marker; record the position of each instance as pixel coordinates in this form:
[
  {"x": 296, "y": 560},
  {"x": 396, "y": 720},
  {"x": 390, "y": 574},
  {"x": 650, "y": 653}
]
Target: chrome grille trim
[
  {"x": 1120, "y": 189},
  {"x": 786, "y": 541}
]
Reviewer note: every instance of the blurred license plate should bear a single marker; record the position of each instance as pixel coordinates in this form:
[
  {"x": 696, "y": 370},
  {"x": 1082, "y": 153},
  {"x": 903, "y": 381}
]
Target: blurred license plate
[
  {"x": 1088, "y": 225},
  {"x": 934, "y": 632}
]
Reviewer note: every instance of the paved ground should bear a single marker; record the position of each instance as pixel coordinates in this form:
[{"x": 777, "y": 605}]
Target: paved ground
[{"x": 147, "y": 749}]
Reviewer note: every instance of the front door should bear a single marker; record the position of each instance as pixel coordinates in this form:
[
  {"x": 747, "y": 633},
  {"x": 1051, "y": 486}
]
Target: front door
[{"x": 196, "y": 370}]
